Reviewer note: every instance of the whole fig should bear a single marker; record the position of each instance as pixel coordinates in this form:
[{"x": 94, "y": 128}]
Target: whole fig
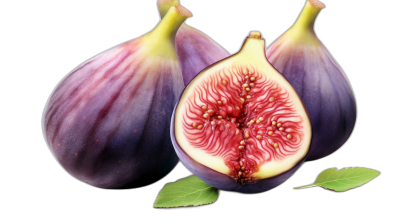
[
  {"x": 107, "y": 122},
  {"x": 239, "y": 124},
  {"x": 319, "y": 80}
]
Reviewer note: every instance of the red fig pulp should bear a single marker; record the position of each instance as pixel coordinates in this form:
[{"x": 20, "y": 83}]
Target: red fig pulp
[{"x": 240, "y": 118}]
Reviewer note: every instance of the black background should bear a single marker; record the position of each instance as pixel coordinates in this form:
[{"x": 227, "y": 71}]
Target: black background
[{"x": 59, "y": 36}]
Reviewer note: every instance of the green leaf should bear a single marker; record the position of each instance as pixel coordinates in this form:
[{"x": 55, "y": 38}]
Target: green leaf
[
  {"x": 344, "y": 179},
  {"x": 189, "y": 191}
]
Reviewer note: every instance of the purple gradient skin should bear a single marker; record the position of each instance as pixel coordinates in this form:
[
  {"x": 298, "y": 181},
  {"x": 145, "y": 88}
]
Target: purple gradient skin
[
  {"x": 324, "y": 89},
  {"x": 196, "y": 51},
  {"x": 223, "y": 181},
  {"x": 107, "y": 123}
]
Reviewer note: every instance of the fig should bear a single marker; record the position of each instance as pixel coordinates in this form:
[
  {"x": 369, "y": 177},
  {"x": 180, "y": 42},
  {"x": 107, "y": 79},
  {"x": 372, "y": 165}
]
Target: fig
[
  {"x": 107, "y": 122},
  {"x": 318, "y": 79},
  {"x": 239, "y": 124},
  {"x": 195, "y": 49}
]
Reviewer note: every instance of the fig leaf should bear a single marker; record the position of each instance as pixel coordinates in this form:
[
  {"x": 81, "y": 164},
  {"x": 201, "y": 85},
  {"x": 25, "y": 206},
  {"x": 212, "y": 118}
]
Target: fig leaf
[
  {"x": 189, "y": 191},
  {"x": 344, "y": 179}
]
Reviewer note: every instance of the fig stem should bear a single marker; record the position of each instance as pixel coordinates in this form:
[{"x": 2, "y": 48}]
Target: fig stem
[
  {"x": 302, "y": 31},
  {"x": 310, "y": 185},
  {"x": 308, "y": 15},
  {"x": 165, "y": 5},
  {"x": 168, "y": 27},
  {"x": 254, "y": 47}
]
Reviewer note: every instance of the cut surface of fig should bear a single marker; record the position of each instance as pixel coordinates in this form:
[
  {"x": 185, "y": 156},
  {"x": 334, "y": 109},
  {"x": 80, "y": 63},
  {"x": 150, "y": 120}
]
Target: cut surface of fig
[{"x": 241, "y": 118}]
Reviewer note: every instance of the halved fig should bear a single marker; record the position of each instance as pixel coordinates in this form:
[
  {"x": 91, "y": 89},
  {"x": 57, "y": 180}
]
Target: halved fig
[{"x": 240, "y": 125}]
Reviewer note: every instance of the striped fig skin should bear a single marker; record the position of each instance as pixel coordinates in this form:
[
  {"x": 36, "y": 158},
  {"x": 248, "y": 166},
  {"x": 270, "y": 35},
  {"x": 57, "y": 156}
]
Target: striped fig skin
[
  {"x": 223, "y": 181},
  {"x": 107, "y": 122},
  {"x": 196, "y": 51},
  {"x": 324, "y": 88}
]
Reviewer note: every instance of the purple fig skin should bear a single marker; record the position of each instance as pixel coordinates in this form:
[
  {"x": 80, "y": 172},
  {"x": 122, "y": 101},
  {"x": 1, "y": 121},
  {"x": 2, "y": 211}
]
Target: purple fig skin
[
  {"x": 196, "y": 51},
  {"x": 107, "y": 123},
  {"x": 222, "y": 181},
  {"x": 319, "y": 80},
  {"x": 326, "y": 94}
]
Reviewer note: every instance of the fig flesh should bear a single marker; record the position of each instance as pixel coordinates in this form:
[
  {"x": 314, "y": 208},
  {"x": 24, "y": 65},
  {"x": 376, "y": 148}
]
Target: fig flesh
[
  {"x": 107, "y": 122},
  {"x": 239, "y": 124},
  {"x": 319, "y": 80},
  {"x": 195, "y": 49}
]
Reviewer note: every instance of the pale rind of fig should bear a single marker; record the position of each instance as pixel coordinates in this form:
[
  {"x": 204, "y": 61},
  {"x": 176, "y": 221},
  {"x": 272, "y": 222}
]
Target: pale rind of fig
[
  {"x": 107, "y": 122},
  {"x": 240, "y": 125},
  {"x": 318, "y": 79},
  {"x": 195, "y": 49}
]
